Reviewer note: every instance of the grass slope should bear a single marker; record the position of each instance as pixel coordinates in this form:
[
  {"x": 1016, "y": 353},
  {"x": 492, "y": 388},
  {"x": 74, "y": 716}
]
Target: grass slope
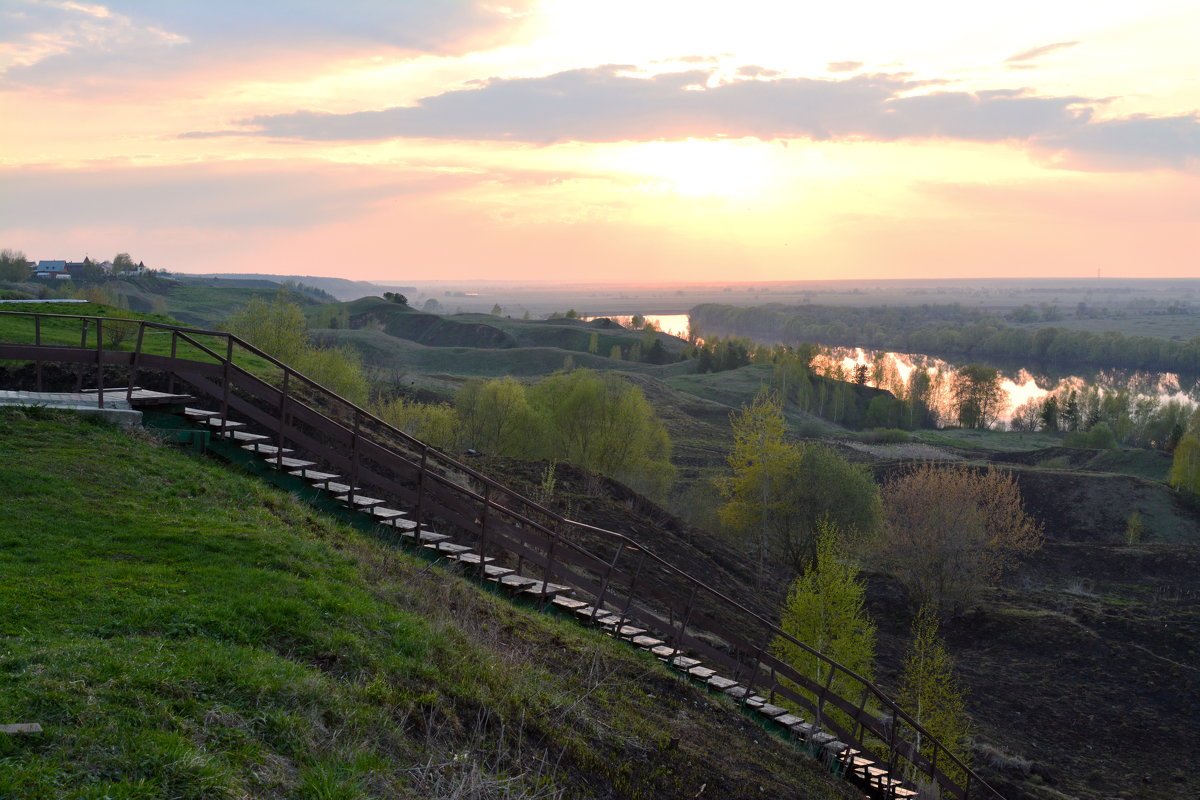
[{"x": 183, "y": 631}]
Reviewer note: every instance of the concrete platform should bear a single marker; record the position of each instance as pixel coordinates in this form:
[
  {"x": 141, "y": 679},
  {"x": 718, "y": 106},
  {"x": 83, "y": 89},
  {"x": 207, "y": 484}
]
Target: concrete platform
[{"x": 115, "y": 408}]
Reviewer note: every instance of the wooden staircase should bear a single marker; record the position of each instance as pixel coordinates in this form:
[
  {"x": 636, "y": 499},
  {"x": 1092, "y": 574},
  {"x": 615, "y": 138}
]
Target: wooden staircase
[
  {"x": 298, "y": 431},
  {"x": 872, "y": 775}
]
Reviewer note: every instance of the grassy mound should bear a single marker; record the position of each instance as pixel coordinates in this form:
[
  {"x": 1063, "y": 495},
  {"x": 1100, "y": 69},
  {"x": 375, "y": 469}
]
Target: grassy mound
[{"x": 183, "y": 631}]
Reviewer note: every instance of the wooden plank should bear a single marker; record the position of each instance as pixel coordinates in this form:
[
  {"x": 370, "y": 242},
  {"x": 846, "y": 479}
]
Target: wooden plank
[
  {"x": 21, "y": 727},
  {"x": 401, "y": 524},
  {"x": 359, "y": 501},
  {"x": 492, "y": 571},
  {"x": 703, "y": 673},
  {"x": 718, "y": 682},
  {"x": 683, "y": 662},
  {"x": 664, "y": 651},
  {"x": 647, "y": 642},
  {"x": 514, "y": 581},
  {"x": 217, "y": 422},
  {"x": 572, "y": 605},
  {"x": 473, "y": 558},
  {"x": 383, "y": 512},
  {"x": 772, "y": 711},
  {"x": 541, "y": 589},
  {"x": 289, "y": 463},
  {"x": 266, "y": 449},
  {"x": 448, "y": 547},
  {"x": 245, "y": 436},
  {"x": 316, "y": 477},
  {"x": 788, "y": 720}
]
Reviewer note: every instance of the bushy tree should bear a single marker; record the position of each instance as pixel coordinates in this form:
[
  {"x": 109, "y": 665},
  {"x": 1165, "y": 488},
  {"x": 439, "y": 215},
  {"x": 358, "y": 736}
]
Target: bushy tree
[
  {"x": 1185, "y": 465},
  {"x": 604, "y": 423},
  {"x": 948, "y": 531},
  {"x": 978, "y": 396},
  {"x": 436, "y": 424},
  {"x": 826, "y": 610},
  {"x": 495, "y": 417},
  {"x": 931, "y": 694},
  {"x": 778, "y": 490},
  {"x": 13, "y": 265},
  {"x": 277, "y": 328}
]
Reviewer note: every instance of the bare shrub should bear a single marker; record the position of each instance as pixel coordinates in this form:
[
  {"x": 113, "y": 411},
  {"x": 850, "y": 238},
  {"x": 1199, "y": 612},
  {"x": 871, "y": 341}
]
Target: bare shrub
[{"x": 951, "y": 530}]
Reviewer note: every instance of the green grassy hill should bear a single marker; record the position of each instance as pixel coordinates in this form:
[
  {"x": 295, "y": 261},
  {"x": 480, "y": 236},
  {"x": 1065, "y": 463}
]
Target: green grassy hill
[{"x": 181, "y": 630}]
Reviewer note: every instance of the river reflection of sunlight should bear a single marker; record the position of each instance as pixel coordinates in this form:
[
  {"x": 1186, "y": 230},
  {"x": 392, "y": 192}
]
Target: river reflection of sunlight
[{"x": 893, "y": 371}]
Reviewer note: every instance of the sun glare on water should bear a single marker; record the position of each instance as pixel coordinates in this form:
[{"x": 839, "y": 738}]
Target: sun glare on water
[{"x": 701, "y": 168}]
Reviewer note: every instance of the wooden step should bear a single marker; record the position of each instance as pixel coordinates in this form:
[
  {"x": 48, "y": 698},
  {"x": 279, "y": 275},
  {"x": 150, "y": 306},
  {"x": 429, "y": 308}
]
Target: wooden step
[
  {"x": 701, "y": 673},
  {"x": 242, "y": 436},
  {"x": 359, "y": 502},
  {"x": 492, "y": 571},
  {"x": 217, "y": 422},
  {"x": 472, "y": 557},
  {"x": 569, "y": 604},
  {"x": 287, "y": 463},
  {"x": 629, "y": 631},
  {"x": 772, "y": 711},
  {"x": 382, "y": 512},
  {"x": 718, "y": 682},
  {"x": 683, "y": 662},
  {"x": 447, "y": 547},
  {"x": 543, "y": 589},
  {"x": 788, "y": 720},
  {"x": 664, "y": 651},
  {"x": 646, "y": 642},
  {"x": 314, "y": 476},
  {"x": 402, "y": 524},
  {"x": 199, "y": 414},
  {"x": 266, "y": 449},
  {"x": 517, "y": 582}
]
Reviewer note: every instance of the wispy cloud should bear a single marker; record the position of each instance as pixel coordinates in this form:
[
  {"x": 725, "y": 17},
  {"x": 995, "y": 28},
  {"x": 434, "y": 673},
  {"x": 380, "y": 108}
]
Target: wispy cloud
[
  {"x": 609, "y": 104},
  {"x": 61, "y": 44},
  {"x": 844, "y": 66},
  {"x": 1024, "y": 58}
]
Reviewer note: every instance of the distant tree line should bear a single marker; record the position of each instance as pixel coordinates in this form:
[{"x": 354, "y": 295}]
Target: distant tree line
[{"x": 948, "y": 330}]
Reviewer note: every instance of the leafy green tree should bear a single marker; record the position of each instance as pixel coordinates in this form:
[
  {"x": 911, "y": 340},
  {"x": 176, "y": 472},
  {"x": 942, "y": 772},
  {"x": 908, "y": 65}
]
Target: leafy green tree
[
  {"x": 435, "y": 424},
  {"x": 594, "y": 343},
  {"x": 495, "y": 417},
  {"x": 1049, "y": 414},
  {"x": 826, "y": 610},
  {"x": 123, "y": 263},
  {"x": 497, "y": 310},
  {"x": 933, "y": 696},
  {"x": 605, "y": 424},
  {"x": 1185, "y": 465},
  {"x": 978, "y": 396},
  {"x": 778, "y": 490},
  {"x": 14, "y": 266},
  {"x": 278, "y": 327}
]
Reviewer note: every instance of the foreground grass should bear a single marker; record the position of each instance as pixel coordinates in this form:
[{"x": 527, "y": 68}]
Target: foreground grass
[{"x": 182, "y": 631}]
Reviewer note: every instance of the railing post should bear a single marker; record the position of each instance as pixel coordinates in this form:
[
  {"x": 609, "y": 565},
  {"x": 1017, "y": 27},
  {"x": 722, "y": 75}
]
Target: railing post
[
  {"x": 687, "y": 616},
  {"x": 283, "y": 420},
  {"x": 82, "y": 367},
  {"x": 353, "y": 459},
  {"x": 174, "y": 346},
  {"x": 604, "y": 584},
  {"x": 37, "y": 340},
  {"x": 633, "y": 583},
  {"x": 548, "y": 574},
  {"x": 99, "y": 363},
  {"x": 421, "y": 492},
  {"x": 225, "y": 389},
  {"x": 483, "y": 521},
  {"x": 137, "y": 359}
]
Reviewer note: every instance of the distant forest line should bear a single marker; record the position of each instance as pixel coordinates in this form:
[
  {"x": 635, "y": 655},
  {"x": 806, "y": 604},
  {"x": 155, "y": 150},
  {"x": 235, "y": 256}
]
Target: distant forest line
[{"x": 948, "y": 331}]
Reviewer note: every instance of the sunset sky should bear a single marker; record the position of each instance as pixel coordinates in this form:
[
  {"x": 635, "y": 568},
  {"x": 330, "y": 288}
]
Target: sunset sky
[{"x": 605, "y": 140}]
